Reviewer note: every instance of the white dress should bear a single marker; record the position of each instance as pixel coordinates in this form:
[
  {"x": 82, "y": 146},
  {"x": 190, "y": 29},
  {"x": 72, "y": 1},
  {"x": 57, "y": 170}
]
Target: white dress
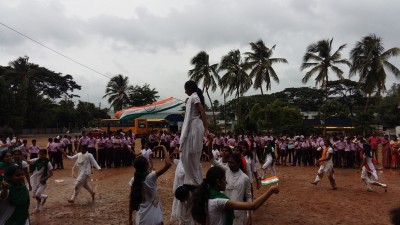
[
  {"x": 238, "y": 189},
  {"x": 150, "y": 211},
  {"x": 216, "y": 211},
  {"x": 191, "y": 141}
]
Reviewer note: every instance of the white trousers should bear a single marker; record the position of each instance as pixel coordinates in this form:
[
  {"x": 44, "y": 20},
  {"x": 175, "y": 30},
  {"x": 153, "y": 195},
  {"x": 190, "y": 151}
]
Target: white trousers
[{"x": 82, "y": 181}]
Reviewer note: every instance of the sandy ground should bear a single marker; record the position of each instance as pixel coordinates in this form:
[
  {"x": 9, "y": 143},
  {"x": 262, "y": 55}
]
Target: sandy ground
[{"x": 297, "y": 203}]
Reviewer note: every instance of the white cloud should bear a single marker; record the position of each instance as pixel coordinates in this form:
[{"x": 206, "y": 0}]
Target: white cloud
[{"x": 153, "y": 41}]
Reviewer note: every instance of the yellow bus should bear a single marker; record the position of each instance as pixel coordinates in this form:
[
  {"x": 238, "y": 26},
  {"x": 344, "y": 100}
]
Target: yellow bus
[{"x": 137, "y": 126}]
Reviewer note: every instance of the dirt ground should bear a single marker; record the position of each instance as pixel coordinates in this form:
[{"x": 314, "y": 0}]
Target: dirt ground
[{"x": 298, "y": 202}]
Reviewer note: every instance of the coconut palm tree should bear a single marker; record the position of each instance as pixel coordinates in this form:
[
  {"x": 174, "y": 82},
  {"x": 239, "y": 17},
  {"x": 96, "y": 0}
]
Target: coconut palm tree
[
  {"x": 370, "y": 60},
  {"x": 235, "y": 80},
  {"x": 320, "y": 59},
  {"x": 118, "y": 91},
  {"x": 205, "y": 73},
  {"x": 260, "y": 63}
]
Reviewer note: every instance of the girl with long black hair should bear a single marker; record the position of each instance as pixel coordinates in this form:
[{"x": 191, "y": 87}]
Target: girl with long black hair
[
  {"x": 144, "y": 197},
  {"x": 210, "y": 206}
]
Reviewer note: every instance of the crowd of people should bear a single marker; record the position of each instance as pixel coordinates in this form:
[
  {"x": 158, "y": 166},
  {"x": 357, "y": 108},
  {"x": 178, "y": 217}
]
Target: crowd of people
[{"x": 223, "y": 196}]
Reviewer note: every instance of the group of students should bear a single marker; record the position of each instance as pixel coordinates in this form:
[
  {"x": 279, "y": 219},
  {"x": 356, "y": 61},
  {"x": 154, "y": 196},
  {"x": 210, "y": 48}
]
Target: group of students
[
  {"x": 198, "y": 200},
  {"x": 14, "y": 193}
]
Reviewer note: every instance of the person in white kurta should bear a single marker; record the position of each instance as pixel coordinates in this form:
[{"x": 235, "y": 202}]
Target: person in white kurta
[
  {"x": 326, "y": 166},
  {"x": 180, "y": 209},
  {"x": 193, "y": 129},
  {"x": 84, "y": 163}
]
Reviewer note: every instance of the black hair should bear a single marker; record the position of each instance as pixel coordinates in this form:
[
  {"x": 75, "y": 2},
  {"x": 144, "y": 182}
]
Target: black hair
[
  {"x": 199, "y": 201},
  {"x": 3, "y": 154},
  {"x": 367, "y": 150},
  {"x": 141, "y": 167},
  {"x": 10, "y": 172},
  {"x": 238, "y": 159},
  {"x": 192, "y": 86},
  {"x": 182, "y": 192},
  {"x": 227, "y": 148},
  {"x": 43, "y": 151},
  {"x": 248, "y": 153}
]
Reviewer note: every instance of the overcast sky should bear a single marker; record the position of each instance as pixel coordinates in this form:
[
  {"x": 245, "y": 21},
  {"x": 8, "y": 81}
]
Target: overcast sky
[{"x": 153, "y": 41}]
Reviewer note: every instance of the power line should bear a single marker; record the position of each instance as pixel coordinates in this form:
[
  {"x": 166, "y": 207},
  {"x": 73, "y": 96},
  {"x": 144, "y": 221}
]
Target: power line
[{"x": 59, "y": 53}]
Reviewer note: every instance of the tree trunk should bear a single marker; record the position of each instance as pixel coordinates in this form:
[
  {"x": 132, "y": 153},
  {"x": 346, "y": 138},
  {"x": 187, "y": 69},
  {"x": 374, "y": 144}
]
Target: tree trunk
[
  {"x": 212, "y": 107},
  {"x": 262, "y": 92},
  {"x": 367, "y": 102}
]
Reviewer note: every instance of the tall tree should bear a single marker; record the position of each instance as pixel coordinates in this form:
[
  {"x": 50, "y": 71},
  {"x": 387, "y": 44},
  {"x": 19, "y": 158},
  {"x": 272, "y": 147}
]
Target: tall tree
[
  {"x": 118, "y": 91},
  {"x": 320, "y": 59},
  {"x": 260, "y": 63},
  {"x": 235, "y": 78},
  {"x": 370, "y": 60},
  {"x": 29, "y": 84},
  {"x": 205, "y": 73},
  {"x": 143, "y": 95}
]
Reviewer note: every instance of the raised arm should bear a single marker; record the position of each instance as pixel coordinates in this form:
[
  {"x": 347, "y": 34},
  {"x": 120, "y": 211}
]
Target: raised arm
[
  {"x": 167, "y": 162},
  {"x": 255, "y": 204}
]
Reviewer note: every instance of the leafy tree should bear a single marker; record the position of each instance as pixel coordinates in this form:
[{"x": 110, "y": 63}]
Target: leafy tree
[
  {"x": 235, "y": 78},
  {"x": 347, "y": 92},
  {"x": 205, "y": 73},
  {"x": 260, "y": 63},
  {"x": 28, "y": 85},
  {"x": 388, "y": 107},
  {"x": 370, "y": 60},
  {"x": 320, "y": 59},
  {"x": 118, "y": 91},
  {"x": 143, "y": 95}
]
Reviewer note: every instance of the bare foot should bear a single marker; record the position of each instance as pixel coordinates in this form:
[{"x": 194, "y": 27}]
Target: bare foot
[
  {"x": 93, "y": 195},
  {"x": 385, "y": 187},
  {"x": 334, "y": 188},
  {"x": 315, "y": 183},
  {"x": 71, "y": 201}
]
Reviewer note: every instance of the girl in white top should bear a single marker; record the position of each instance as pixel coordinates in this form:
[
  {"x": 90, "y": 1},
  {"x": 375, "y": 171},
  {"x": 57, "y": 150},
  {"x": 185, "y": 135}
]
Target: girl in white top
[
  {"x": 269, "y": 160},
  {"x": 193, "y": 129},
  {"x": 144, "y": 197},
  {"x": 210, "y": 206},
  {"x": 251, "y": 169},
  {"x": 368, "y": 172},
  {"x": 17, "y": 155},
  {"x": 43, "y": 170}
]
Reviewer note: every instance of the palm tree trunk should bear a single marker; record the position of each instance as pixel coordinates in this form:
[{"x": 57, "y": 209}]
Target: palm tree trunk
[
  {"x": 367, "y": 102},
  {"x": 262, "y": 92},
  {"x": 212, "y": 107}
]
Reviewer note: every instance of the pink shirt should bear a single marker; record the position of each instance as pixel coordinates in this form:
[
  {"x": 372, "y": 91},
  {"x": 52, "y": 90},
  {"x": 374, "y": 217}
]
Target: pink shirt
[{"x": 374, "y": 141}]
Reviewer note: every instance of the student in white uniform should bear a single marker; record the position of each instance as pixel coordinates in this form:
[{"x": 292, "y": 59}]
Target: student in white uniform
[
  {"x": 193, "y": 129},
  {"x": 17, "y": 155},
  {"x": 144, "y": 197},
  {"x": 238, "y": 186},
  {"x": 368, "y": 172},
  {"x": 42, "y": 171},
  {"x": 269, "y": 160},
  {"x": 210, "y": 206},
  {"x": 148, "y": 154},
  {"x": 326, "y": 165},
  {"x": 84, "y": 162}
]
